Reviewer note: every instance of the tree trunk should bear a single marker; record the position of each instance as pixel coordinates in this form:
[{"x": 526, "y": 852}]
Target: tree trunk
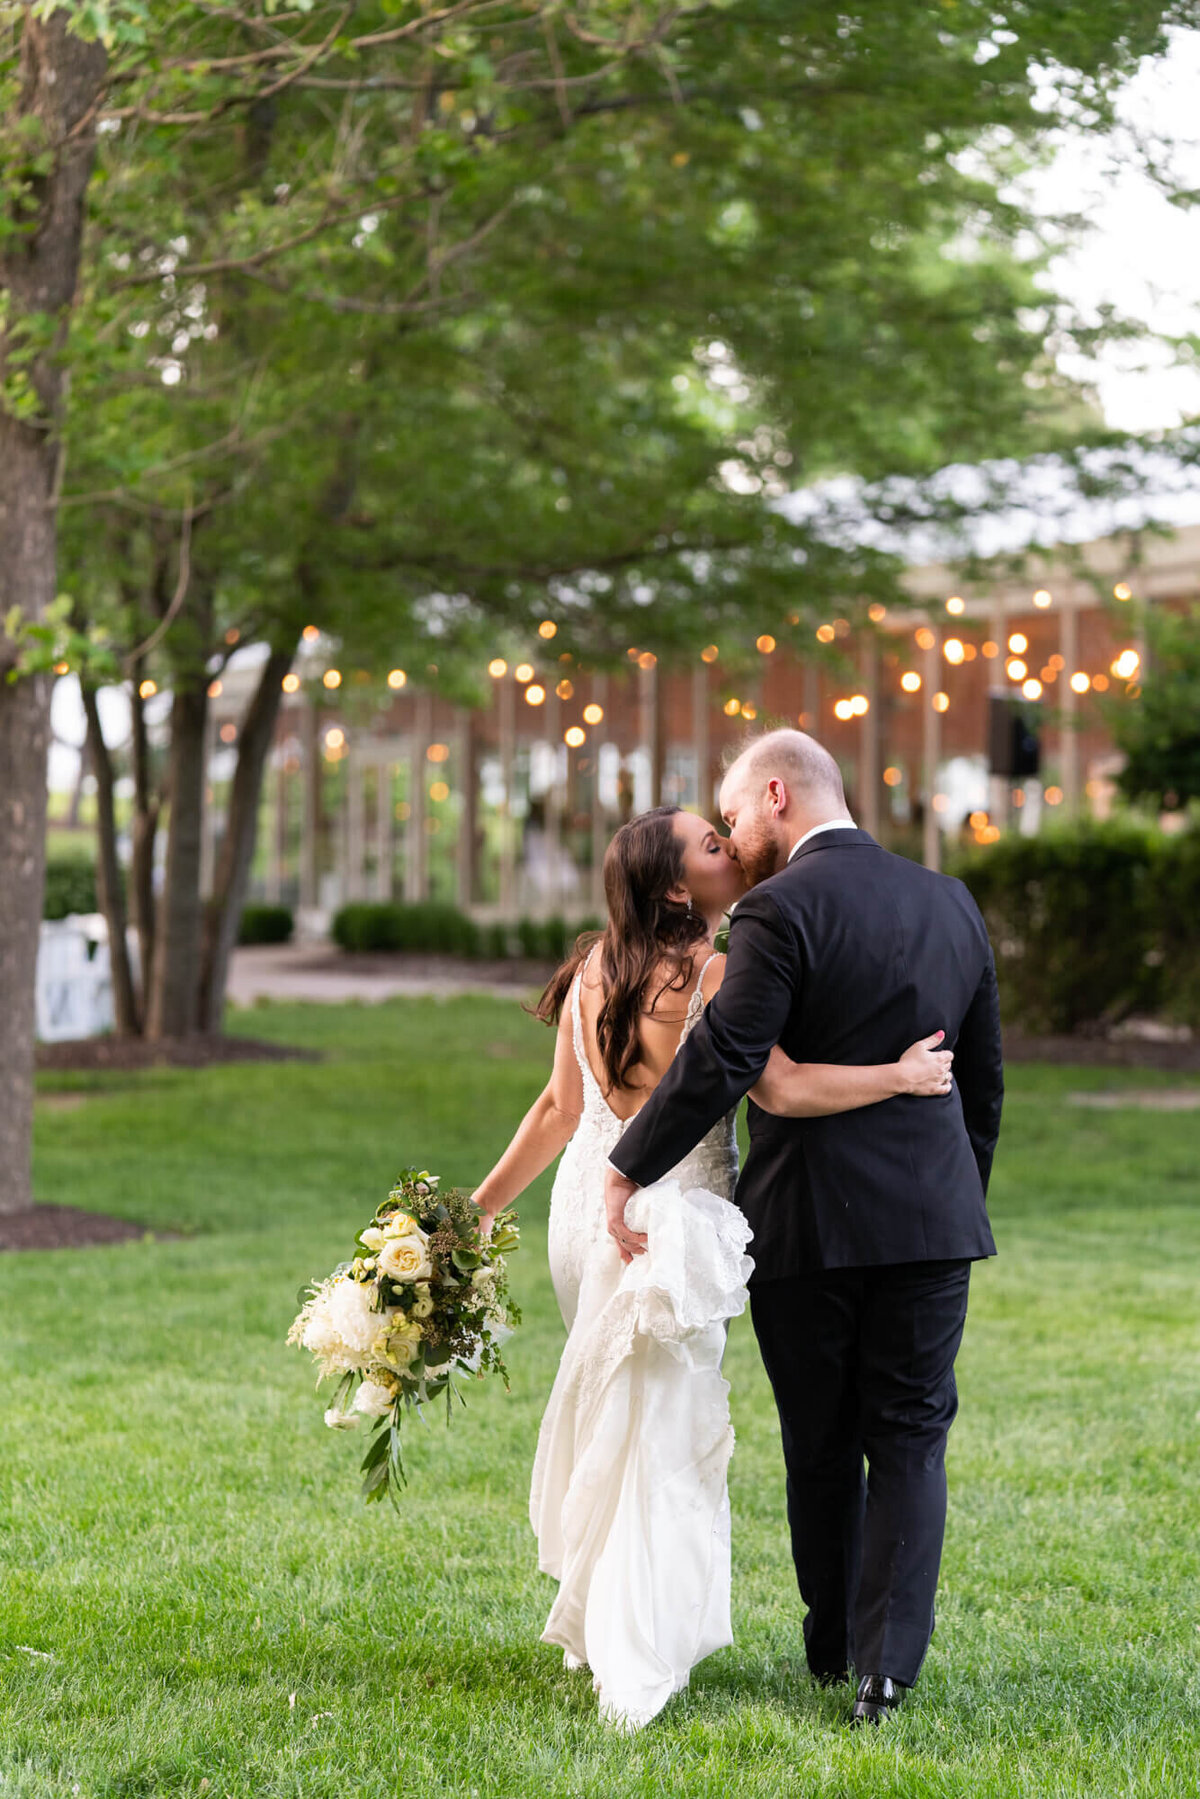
[
  {"x": 108, "y": 872},
  {"x": 175, "y": 983},
  {"x": 59, "y": 78},
  {"x": 143, "y": 837},
  {"x": 224, "y": 911}
]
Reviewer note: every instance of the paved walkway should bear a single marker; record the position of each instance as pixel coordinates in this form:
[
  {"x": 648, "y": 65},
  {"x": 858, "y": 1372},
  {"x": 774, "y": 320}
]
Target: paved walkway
[{"x": 318, "y": 971}]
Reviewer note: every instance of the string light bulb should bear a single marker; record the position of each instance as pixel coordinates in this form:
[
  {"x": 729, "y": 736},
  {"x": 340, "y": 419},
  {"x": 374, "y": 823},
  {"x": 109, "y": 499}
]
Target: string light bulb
[
  {"x": 910, "y": 681},
  {"x": 497, "y": 667},
  {"x": 575, "y": 735},
  {"x": 397, "y": 679},
  {"x": 956, "y": 605}
]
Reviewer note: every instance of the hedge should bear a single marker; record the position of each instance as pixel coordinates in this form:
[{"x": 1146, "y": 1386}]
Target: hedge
[
  {"x": 424, "y": 926},
  {"x": 266, "y": 924},
  {"x": 1091, "y": 922},
  {"x": 70, "y": 887},
  {"x": 442, "y": 930}
]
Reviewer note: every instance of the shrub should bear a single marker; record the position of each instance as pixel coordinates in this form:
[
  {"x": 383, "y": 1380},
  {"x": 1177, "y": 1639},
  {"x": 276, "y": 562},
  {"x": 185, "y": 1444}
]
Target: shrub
[
  {"x": 1176, "y": 880},
  {"x": 266, "y": 924},
  {"x": 70, "y": 887},
  {"x": 1075, "y": 922},
  {"x": 427, "y": 925}
]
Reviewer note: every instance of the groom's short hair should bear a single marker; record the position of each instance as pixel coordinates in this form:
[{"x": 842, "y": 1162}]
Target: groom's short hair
[{"x": 806, "y": 766}]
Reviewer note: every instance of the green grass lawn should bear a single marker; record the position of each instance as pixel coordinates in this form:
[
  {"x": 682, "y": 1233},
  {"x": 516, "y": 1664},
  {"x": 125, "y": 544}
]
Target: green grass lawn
[{"x": 214, "y": 1613}]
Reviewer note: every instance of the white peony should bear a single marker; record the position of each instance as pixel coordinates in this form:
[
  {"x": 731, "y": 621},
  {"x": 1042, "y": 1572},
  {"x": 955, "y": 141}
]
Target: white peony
[
  {"x": 351, "y": 1314},
  {"x": 373, "y": 1399},
  {"x": 406, "y": 1258}
]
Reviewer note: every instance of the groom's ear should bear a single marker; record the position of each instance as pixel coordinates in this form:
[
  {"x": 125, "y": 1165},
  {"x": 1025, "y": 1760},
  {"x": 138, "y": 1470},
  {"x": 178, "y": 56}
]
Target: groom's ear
[{"x": 777, "y": 796}]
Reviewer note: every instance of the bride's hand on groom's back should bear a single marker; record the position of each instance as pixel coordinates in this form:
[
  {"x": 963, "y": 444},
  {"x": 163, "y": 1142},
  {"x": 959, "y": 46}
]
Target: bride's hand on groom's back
[{"x": 925, "y": 1069}]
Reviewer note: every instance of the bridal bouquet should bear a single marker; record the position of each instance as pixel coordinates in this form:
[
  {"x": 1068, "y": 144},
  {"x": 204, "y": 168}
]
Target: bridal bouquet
[{"x": 424, "y": 1299}]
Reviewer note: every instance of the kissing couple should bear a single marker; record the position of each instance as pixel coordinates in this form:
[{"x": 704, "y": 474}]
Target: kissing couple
[{"x": 851, "y": 1229}]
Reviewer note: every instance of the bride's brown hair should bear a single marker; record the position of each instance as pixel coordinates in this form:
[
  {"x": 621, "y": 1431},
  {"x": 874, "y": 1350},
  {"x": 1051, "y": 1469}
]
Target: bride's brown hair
[{"x": 645, "y": 931}]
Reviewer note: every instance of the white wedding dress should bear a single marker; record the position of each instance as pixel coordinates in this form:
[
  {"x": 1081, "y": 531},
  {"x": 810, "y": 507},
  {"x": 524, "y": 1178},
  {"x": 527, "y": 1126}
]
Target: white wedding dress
[{"x": 629, "y": 1501}]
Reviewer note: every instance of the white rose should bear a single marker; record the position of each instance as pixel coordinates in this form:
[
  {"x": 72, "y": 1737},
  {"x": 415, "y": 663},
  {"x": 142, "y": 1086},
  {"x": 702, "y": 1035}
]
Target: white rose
[
  {"x": 340, "y": 1420},
  {"x": 373, "y": 1238},
  {"x": 398, "y": 1346},
  {"x": 373, "y": 1399},
  {"x": 406, "y": 1258},
  {"x": 400, "y": 1225}
]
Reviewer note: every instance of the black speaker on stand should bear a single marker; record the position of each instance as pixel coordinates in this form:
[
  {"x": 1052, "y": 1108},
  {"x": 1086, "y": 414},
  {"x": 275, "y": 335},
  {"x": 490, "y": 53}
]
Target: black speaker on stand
[{"x": 1014, "y": 750}]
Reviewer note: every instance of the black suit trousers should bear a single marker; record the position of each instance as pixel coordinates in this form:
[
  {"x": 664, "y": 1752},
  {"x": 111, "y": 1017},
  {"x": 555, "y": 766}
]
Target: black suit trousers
[{"x": 861, "y": 1361}]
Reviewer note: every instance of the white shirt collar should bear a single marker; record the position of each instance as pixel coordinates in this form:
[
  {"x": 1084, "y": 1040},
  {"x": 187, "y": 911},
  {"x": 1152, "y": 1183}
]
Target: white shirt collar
[{"x": 834, "y": 824}]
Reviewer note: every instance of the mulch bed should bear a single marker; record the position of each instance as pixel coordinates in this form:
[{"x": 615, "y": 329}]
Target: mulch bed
[
  {"x": 66, "y": 1227},
  {"x": 128, "y": 1054},
  {"x": 1105, "y": 1052}
]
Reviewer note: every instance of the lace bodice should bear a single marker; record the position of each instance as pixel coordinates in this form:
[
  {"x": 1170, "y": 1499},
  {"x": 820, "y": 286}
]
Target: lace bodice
[{"x": 577, "y": 1203}]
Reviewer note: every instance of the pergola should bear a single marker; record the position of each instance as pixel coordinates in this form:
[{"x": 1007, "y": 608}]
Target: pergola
[{"x": 382, "y": 788}]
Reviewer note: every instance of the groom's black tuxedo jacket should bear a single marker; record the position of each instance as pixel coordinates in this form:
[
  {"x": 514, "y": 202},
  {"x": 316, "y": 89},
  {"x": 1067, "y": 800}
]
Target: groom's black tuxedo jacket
[{"x": 848, "y": 954}]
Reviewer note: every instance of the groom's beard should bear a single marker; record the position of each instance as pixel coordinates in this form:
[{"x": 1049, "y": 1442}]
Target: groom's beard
[{"x": 760, "y": 856}]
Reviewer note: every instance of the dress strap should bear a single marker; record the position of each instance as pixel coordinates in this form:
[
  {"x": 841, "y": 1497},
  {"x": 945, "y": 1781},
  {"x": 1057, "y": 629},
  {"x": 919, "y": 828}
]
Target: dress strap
[
  {"x": 695, "y": 1001},
  {"x": 577, "y": 1018}
]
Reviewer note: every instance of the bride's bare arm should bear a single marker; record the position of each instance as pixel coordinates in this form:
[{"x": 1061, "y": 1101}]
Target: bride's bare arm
[
  {"x": 543, "y": 1133},
  {"x": 818, "y": 1089}
]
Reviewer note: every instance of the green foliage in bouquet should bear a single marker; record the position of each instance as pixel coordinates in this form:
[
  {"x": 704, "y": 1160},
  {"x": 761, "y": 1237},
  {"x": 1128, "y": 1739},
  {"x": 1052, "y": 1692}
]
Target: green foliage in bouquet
[{"x": 424, "y": 1299}]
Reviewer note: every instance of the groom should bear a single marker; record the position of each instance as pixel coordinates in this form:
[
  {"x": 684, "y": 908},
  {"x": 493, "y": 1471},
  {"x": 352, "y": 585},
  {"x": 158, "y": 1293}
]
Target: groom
[{"x": 865, "y": 1223}]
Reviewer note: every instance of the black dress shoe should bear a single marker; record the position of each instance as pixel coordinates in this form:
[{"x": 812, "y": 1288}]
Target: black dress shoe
[{"x": 877, "y": 1696}]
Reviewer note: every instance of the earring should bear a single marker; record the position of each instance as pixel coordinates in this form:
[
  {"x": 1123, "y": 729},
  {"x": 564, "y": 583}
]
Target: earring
[{"x": 689, "y": 902}]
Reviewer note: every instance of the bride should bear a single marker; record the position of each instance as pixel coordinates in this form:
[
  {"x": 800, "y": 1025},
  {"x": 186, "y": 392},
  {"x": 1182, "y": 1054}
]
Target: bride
[{"x": 629, "y": 1500}]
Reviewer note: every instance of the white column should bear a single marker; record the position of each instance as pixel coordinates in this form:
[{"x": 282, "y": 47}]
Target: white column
[
  {"x": 279, "y": 831},
  {"x": 416, "y": 881},
  {"x": 1068, "y": 649},
  {"x": 700, "y": 738},
  {"x": 931, "y": 754},
  {"x": 999, "y": 786},
  {"x": 599, "y": 821},
  {"x": 310, "y": 827},
  {"x": 811, "y": 695},
  {"x": 384, "y": 837},
  {"x": 354, "y": 888},
  {"x": 208, "y": 808},
  {"x": 507, "y": 701},
  {"x": 552, "y": 720},
  {"x": 868, "y": 742},
  {"x": 464, "y": 849}
]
